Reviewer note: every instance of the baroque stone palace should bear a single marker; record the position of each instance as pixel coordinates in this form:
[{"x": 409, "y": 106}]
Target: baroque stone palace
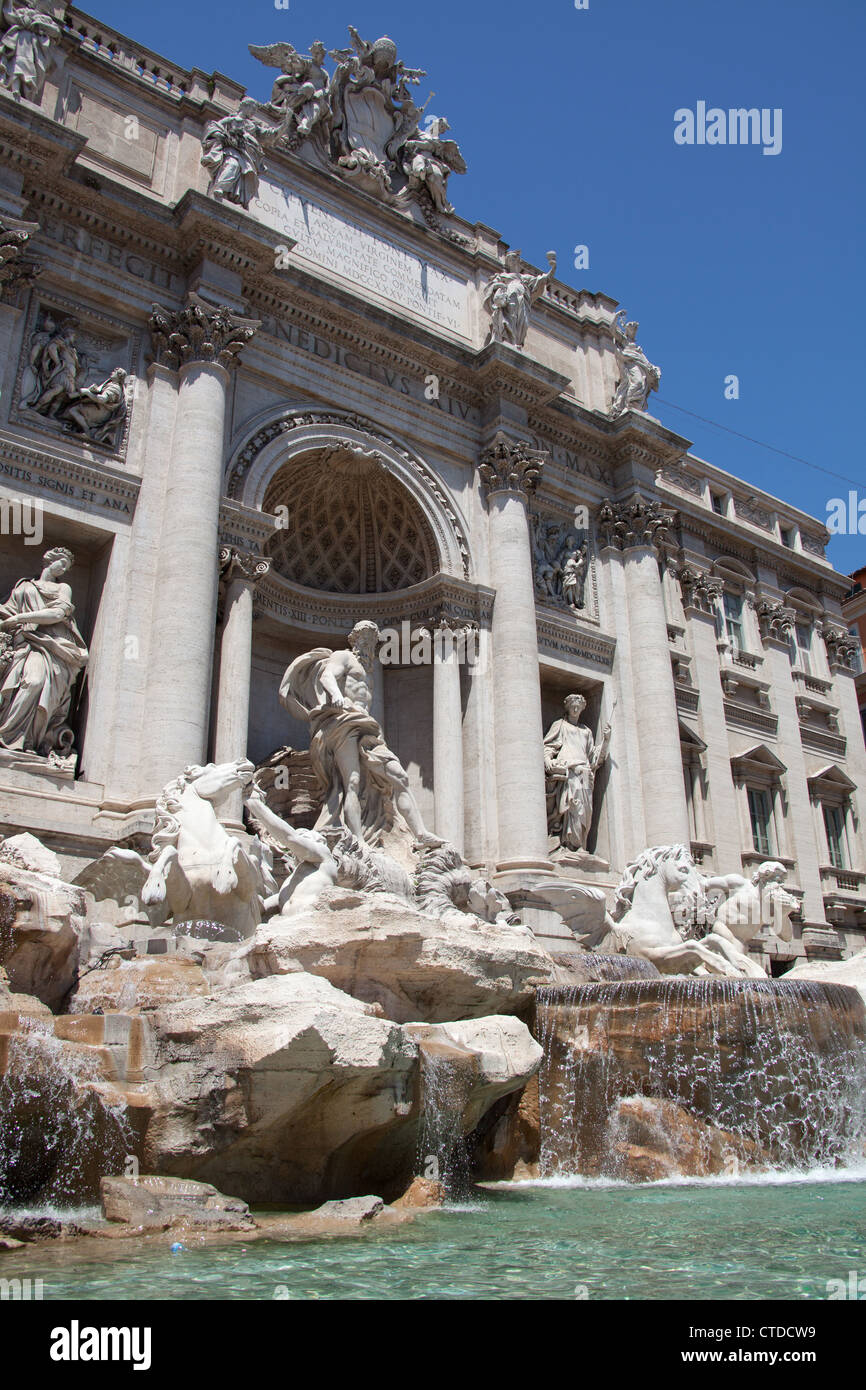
[{"x": 264, "y": 383}]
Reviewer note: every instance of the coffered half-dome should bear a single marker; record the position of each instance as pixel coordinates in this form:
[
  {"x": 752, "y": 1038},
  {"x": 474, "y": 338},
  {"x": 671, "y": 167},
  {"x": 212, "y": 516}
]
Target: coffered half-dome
[{"x": 349, "y": 526}]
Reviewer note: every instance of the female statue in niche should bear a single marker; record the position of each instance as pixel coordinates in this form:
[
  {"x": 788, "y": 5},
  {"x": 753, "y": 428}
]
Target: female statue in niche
[
  {"x": 41, "y": 653},
  {"x": 571, "y": 760}
]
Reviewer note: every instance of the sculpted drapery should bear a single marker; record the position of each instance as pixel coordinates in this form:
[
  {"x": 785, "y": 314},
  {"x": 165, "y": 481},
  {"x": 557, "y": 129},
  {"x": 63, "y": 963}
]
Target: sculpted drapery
[{"x": 41, "y": 654}]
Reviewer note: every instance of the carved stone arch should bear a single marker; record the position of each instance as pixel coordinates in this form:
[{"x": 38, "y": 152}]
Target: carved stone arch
[{"x": 295, "y": 435}]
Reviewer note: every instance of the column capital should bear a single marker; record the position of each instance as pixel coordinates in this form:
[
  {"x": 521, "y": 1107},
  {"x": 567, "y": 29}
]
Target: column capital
[
  {"x": 199, "y": 332},
  {"x": 700, "y": 589},
  {"x": 774, "y": 619},
  {"x": 510, "y": 465},
  {"x": 243, "y": 565},
  {"x": 842, "y": 648},
  {"x": 635, "y": 522},
  {"x": 16, "y": 271}
]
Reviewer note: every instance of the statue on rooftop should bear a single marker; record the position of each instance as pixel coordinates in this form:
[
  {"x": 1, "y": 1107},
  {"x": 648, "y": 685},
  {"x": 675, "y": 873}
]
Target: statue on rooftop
[
  {"x": 509, "y": 297},
  {"x": 24, "y": 48},
  {"x": 232, "y": 148},
  {"x": 300, "y": 95},
  {"x": 637, "y": 375}
]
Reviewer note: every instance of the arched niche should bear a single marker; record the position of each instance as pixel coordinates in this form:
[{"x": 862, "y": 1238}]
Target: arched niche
[{"x": 287, "y": 443}]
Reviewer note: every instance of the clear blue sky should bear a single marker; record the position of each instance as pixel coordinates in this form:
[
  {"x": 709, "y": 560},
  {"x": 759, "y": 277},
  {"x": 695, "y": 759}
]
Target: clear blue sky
[{"x": 733, "y": 261}]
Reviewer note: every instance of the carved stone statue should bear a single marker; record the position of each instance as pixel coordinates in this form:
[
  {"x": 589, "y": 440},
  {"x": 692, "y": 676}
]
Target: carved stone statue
[
  {"x": 368, "y": 94},
  {"x": 427, "y": 160},
  {"x": 637, "y": 375},
  {"x": 24, "y": 48},
  {"x": 642, "y": 922},
  {"x": 55, "y": 365},
  {"x": 300, "y": 94},
  {"x": 741, "y": 907},
  {"x": 572, "y": 759},
  {"x": 509, "y": 297},
  {"x": 362, "y": 779},
  {"x": 232, "y": 149},
  {"x": 41, "y": 654},
  {"x": 196, "y": 870},
  {"x": 574, "y": 577},
  {"x": 99, "y": 410}
]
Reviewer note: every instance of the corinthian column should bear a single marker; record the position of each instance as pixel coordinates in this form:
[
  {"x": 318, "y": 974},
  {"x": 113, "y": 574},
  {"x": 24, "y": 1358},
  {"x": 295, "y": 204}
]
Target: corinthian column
[
  {"x": 199, "y": 344},
  {"x": 240, "y": 571},
  {"x": 635, "y": 529},
  {"x": 510, "y": 471}
]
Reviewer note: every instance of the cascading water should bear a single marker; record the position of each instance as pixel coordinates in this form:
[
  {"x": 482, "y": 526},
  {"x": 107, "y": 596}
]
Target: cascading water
[
  {"x": 55, "y": 1123},
  {"x": 444, "y": 1087},
  {"x": 780, "y": 1067}
]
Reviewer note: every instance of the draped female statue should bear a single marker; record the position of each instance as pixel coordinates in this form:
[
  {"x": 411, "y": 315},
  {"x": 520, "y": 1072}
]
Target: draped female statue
[{"x": 41, "y": 653}]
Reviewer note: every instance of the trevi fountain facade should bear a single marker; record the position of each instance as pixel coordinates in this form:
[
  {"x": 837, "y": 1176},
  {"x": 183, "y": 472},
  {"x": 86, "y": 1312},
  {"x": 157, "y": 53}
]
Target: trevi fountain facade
[{"x": 412, "y": 757}]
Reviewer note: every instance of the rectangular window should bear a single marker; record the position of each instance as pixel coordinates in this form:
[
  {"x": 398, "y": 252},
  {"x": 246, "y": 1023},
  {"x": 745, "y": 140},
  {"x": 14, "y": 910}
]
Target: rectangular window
[
  {"x": 804, "y": 648},
  {"x": 733, "y": 611},
  {"x": 718, "y": 503},
  {"x": 834, "y": 824},
  {"x": 761, "y": 818}
]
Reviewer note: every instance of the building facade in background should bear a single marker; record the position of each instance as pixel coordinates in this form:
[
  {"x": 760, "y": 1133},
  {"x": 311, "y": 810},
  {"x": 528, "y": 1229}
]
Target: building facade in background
[{"x": 262, "y": 382}]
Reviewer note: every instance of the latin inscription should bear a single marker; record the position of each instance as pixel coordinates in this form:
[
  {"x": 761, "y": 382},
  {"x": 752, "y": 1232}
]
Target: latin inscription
[{"x": 363, "y": 259}]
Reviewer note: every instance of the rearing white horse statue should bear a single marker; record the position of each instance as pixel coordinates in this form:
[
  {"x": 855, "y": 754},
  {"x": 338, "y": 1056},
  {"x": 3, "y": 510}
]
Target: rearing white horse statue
[
  {"x": 196, "y": 870},
  {"x": 642, "y": 923}
]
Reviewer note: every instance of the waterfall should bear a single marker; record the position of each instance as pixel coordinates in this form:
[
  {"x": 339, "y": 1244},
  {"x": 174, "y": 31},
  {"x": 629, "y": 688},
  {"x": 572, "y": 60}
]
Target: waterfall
[
  {"x": 779, "y": 1067},
  {"x": 445, "y": 1083},
  {"x": 59, "y": 1131}
]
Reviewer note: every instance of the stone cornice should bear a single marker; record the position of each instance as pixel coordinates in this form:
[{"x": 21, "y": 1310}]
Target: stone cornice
[
  {"x": 557, "y": 634},
  {"x": 426, "y": 604},
  {"x": 48, "y": 475},
  {"x": 792, "y": 567}
]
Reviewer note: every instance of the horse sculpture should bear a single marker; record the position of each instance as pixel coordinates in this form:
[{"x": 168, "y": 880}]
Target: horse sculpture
[
  {"x": 642, "y": 922},
  {"x": 196, "y": 870}
]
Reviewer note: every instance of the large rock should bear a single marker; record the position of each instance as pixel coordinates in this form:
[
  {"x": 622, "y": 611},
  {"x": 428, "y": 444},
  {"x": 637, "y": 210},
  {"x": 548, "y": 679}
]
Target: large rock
[
  {"x": 39, "y": 945},
  {"x": 152, "y": 1202},
  {"x": 499, "y": 1055},
  {"x": 833, "y": 972},
  {"x": 138, "y": 986},
  {"x": 282, "y": 1089},
  {"x": 649, "y": 1139},
  {"x": 381, "y": 950}
]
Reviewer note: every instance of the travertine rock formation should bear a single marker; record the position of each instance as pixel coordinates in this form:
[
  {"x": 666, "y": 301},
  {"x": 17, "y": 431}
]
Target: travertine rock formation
[{"x": 384, "y": 951}]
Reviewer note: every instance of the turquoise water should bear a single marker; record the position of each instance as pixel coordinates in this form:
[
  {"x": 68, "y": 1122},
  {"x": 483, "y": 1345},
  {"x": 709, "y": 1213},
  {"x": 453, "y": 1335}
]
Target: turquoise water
[{"x": 554, "y": 1240}]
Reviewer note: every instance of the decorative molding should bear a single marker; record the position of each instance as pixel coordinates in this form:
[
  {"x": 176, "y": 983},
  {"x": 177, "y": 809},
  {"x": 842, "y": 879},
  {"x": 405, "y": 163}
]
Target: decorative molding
[
  {"x": 558, "y": 636},
  {"x": 200, "y": 332},
  {"x": 675, "y": 475},
  {"x": 510, "y": 465},
  {"x": 842, "y": 648},
  {"x": 16, "y": 270},
  {"x": 73, "y": 481},
  {"x": 751, "y": 511},
  {"x": 751, "y": 718}
]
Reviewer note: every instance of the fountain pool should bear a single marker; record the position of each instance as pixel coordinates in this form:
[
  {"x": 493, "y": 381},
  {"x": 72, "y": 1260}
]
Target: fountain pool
[{"x": 573, "y": 1239}]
